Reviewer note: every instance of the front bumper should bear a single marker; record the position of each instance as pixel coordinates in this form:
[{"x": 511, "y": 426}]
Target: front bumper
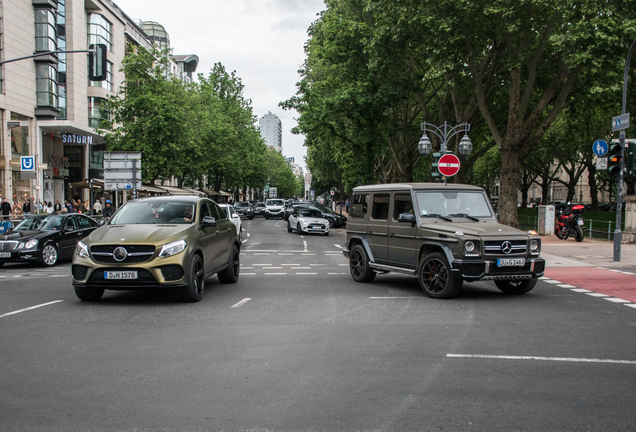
[
  {"x": 474, "y": 270},
  {"x": 31, "y": 255},
  {"x": 275, "y": 213},
  {"x": 316, "y": 229}
]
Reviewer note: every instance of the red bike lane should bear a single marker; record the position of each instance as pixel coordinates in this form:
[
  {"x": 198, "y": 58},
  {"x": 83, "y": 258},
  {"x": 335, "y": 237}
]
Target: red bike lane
[{"x": 611, "y": 283}]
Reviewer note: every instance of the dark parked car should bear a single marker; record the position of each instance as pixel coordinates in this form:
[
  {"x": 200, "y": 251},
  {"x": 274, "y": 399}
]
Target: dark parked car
[
  {"x": 244, "y": 209},
  {"x": 45, "y": 239},
  {"x": 259, "y": 209},
  {"x": 289, "y": 208}
]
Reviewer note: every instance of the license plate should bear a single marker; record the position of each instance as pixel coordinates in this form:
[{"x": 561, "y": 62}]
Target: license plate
[
  {"x": 511, "y": 262},
  {"x": 580, "y": 221},
  {"x": 5, "y": 254},
  {"x": 120, "y": 275}
]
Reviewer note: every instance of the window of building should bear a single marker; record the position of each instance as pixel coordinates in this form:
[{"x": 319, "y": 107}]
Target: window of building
[
  {"x": 381, "y": 206},
  {"x": 45, "y": 30},
  {"x": 1, "y": 57},
  {"x": 97, "y": 113},
  {"x": 61, "y": 67},
  {"x": 100, "y": 31},
  {"x": 107, "y": 84},
  {"x": 46, "y": 85}
]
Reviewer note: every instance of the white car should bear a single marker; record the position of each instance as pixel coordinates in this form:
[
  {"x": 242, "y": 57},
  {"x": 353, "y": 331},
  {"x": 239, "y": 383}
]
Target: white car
[
  {"x": 234, "y": 217},
  {"x": 307, "y": 220},
  {"x": 274, "y": 207}
]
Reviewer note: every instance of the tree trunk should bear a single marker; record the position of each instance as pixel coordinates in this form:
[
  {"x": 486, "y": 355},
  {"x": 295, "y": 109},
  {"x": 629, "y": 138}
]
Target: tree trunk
[
  {"x": 591, "y": 181},
  {"x": 509, "y": 181}
]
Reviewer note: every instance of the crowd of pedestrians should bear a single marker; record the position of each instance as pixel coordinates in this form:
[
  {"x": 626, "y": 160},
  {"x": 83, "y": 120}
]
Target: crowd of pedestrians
[{"x": 16, "y": 209}]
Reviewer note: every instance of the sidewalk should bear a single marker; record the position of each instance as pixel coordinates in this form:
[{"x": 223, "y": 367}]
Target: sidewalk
[{"x": 588, "y": 253}]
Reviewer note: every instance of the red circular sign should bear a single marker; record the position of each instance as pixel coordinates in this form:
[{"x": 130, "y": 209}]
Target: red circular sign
[{"x": 448, "y": 165}]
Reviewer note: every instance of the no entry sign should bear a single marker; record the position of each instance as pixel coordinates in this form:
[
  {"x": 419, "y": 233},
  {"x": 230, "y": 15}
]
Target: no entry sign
[{"x": 448, "y": 165}]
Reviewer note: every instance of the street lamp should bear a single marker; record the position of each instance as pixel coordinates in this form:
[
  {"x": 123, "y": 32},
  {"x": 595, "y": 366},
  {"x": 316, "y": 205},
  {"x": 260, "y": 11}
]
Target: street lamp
[{"x": 444, "y": 133}]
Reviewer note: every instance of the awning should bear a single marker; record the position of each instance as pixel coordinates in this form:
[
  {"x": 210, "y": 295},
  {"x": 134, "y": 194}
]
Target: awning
[
  {"x": 86, "y": 185},
  {"x": 223, "y": 193},
  {"x": 195, "y": 192},
  {"x": 176, "y": 191},
  {"x": 210, "y": 192},
  {"x": 152, "y": 189}
]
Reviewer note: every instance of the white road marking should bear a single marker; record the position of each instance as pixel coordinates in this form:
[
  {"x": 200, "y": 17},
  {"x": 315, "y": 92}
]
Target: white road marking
[
  {"x": 275, "y": 274},
  {"x": 566, "y": 286},
  {"x": 2, "y": 277},
  {"x": 580, "y": 290},
  {"x": 243, "y": 241},
  {"x": 561, "y": 359},
  {"x": 277, "y": 223},
  {"x": 248, "y": 274},
  {"x": 285, "y": 254},
  {"x": 631, "y": 305},
  {"x": 17, "y": 276},
  {"x": 261, "y": 250},
  {"x": 338, "y": 246},
  {"x": 242, "y": 302},
  {"x": 306, "y": 273},
  {"x": 301, "y": 268},
  {"x": 332, "y": 254},
  {"x": 246, "y": 268},
  {"x": 318, "y": 265},
  {"x": 616, "y": 300},
  {"x": 290, "y": 264},
  {"x": 336, "y": 273},
  {"x": 261, "y": 264},
  {"x": 44, "y": 270},
  {"x": 389, "y": 298},
  {"x": 553, "y": 282},
  {"x": 274, "y": 268},
  {"x": 343, "y": 265},
  {"x": 544, "y": 278},
  {"x": 248, "y": 234},
  {"x": 31, "y": 308},
  {"x": 60, "y": 276},
  {"x": 261, "y": 254},
  {"x": 594, "y": 294},
  {"x": 305, "y": 245}
]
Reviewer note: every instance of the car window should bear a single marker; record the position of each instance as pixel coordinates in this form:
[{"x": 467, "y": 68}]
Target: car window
[
  {"x": 310, "y": 213},
  {"x": 359, "y": 205},
  {"x": 33, "y": 223},
  {"x": 70, "y": 224},
  {"x": 275, "y": 202},
  {"x": 381, "y": 206},
  {"x": 85, "y": 222},
  {"x": 205, "y": 210},
  {"x": 402, "y": 204},
  {"x": 217, "y": 212}
]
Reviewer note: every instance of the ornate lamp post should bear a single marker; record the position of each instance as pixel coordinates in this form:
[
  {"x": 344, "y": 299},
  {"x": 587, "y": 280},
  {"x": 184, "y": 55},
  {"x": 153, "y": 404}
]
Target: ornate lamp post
[{"x": 445, "y": 133}]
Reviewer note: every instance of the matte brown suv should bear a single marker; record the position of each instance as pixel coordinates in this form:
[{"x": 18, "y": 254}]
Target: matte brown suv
[{"x": 444, "y": 234}]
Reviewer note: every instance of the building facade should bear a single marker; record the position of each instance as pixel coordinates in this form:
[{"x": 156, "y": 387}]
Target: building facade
[
  {"x": 48, "y": 106},
  {"x": 272, "y": 131}
]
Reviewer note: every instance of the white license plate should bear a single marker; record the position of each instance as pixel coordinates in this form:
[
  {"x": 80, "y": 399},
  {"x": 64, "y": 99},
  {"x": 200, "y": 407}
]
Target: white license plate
[
  {"x": 5, "y": 254},
  {"x": 511, "y": 262},
  {"x": 579, "y": 221},
  {"x": 120, "y": 275}
]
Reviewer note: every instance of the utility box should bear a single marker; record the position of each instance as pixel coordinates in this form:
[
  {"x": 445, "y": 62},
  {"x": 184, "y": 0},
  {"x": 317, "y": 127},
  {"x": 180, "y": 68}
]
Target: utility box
[{"x": 546, "y": 220}]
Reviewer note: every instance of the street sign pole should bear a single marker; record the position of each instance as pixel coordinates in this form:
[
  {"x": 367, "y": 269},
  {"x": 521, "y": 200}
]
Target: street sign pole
[{"x": 618, "y": 234}]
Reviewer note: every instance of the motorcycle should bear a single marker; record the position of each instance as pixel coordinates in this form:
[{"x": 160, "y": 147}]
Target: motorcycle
[{"x": 569, "y": 223}]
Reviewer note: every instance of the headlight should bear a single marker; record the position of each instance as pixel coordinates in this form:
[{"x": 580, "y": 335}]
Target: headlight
[
  {"x": 21, "y": 245},
  {"x": 172, "y": 248},
  {"x": 82, "y": 250},
  {"x": 303, "y": 221},
  {"x": 469, "y": 246},
  {"x": 534, "y": 245},
  {"x": 31, "y": 244},
  {"x": 326, "y": 222}
]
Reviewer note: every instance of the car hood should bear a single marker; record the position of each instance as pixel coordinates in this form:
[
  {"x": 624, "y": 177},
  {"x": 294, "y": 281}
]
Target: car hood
[
  {"x": 139, "y": 234},
  {"x": 25, "y": 235},
  {"x": 313, "y": 220},
  {"x": 479, "y": 229}
]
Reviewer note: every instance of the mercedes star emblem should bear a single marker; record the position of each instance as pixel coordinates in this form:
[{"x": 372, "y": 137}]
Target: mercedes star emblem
[
  {"x": 506, "y": 247},
  {"x": 120, "y": 254}
]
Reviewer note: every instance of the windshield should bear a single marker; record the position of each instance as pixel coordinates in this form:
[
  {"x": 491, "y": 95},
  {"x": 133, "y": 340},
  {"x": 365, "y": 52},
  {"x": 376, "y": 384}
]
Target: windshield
[
  {"x": 155, "y": 212},
  {"x": 259, "y": 204},
  {"x": 456, "y": 203},
  {"x": 310, "y": 213},
  {"x": 241, "y": 204},
  {"x": 43, "y": 223},
  {"x": 274, "y": 202}
]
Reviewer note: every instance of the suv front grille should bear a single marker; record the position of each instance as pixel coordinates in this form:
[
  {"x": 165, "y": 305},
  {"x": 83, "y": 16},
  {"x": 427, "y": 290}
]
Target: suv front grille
[
  {"x": 7, "y": 246},
  {"x": 505, "y": 247},
  {"x": 136, "y": 253}
]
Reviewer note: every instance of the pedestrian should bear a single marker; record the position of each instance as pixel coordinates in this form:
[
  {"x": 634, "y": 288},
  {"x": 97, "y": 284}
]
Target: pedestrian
[
  {"x": 49, "y": 208},
  {"x": 108, "y": 210},
  {"x": 5, "y": 208},
  {"x": 97, "y": 207},
  {"x": 58, "y": 207},
  {"x": 26, "y": 209},
  {"x": 80, "y": 206},
  {"x": 17, "y": 210},
  {"x": 69, "y": 206},
  {"x": 347, "y": 205}
]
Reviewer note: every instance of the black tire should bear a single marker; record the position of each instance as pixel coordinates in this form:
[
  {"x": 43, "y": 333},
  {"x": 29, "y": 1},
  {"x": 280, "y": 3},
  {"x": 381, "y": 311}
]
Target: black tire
[
  {"x": 251, "y": 217},
  {"x": 359, "y": 265},
  {"x": 89, "y": 293},
  {"x": 579, "y": 233},
  {"x": 332, "y": 222},
  {"x": 326, "y": 234},
  {"x": 559, "y": 234},
  {"x": 49, "y": 255},
  {"x": 231, "y": 274},
  {"x": 435, "y": 277},
  {"x": 516, "y": 287},
  {"x": 299, "y": 231},
  {"x": 1, "y": 264},
  {"x": 266, "y": 217},
  {"x": 196, "y": 280},
  {"x": 289, "y": 228}
]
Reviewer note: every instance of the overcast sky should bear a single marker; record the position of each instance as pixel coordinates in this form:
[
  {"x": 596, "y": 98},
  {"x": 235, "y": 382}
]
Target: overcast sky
[{"x": 262, "y": 40}]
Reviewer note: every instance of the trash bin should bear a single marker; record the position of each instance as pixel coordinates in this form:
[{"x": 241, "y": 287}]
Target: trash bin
[{"x": 546, "y": 220}]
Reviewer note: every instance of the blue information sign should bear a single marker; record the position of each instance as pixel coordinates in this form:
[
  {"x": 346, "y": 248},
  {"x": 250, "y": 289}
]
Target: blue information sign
[{"x": 600, "y": 148}]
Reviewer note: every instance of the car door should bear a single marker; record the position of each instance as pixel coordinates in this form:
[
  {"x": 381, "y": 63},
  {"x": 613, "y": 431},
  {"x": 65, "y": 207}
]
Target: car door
[
  {"x": 224, "y": 237},
  {"x": 208, "y": 235},
  {"x": 86, "y": 225},
  {"x": 377, "y": 228},
  {"x": 402, "y": 241},
  {"x": 69, "y": 237}
]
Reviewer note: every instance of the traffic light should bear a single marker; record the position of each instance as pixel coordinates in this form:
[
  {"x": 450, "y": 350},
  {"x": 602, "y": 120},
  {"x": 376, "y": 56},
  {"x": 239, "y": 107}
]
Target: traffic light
[
  {"x": 97, "y": 62},
  {"x": 630, "y": 158},
  {"x": 614, "y": 159},
  {"x": 437, "y": 177}
]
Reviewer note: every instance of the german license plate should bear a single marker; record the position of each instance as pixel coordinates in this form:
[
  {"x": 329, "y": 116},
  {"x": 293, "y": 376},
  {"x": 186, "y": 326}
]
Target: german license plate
[
  {"x": 120, "y": 275},
  {"x": 511, "y": 262},
  {"x": 5, "y": 254},
  {"x": 579, "y": 221}
]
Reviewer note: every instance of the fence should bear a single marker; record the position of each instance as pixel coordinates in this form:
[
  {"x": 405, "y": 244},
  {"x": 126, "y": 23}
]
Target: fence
[{"x": 598, "y": 229}]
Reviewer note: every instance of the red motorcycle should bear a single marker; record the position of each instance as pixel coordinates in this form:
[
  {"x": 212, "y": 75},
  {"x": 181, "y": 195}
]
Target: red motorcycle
[{"x": 569, "y": 223}]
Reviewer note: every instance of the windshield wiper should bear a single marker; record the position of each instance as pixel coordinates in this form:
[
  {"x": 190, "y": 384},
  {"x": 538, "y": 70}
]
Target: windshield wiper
[
  {"x": 437, "y": 215},
  {"x": 464, "y": 215}
]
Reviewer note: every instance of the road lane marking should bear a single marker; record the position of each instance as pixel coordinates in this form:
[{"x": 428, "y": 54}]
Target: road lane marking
[
  {"x": 275, "y": 274},
  {"x": 301, "y": 268},
  {"x": 390, "y": 298},
  {"x": 337, "y": 254},
  {"x": 261, "y": 264},
  {"x": 318, "y": 265},
  {"x": 244, "y": 241},
  {"x": 290, "y": 264},
  {"x": 31, "y": 308},
  {"x": 246, "y": 268},
  {"x": 616, "y": 300},
  {"x": 553, "y": 282},
  {"x": 241, "y": 303},
  {"x": 336, "y": 273},
  {"x": 248, "y": 234},
  {"x": 306, "y": 273},
  {"x": 285, "y": 254},
  {"x": 594, "y": 294},
  {"x": 274, "y": 268},
  {"x": 261, "y": 254},
  {"x": 305, "y": 245},
  {"x": 343, "y": 265},
  {"x": 561, "y": 359},
  {"x": 631, "y": 305},
  {"x": 338, "y": 246},
  {"x": 544, "y": 278},
  {"x": 2, "y": 277},
  {"x": 248, "y": 274},
  {"x": 580, "y": 290},
  {"x": 566, "y": 286}
]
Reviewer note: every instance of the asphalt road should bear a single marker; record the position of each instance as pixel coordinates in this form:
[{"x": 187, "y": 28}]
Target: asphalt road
[{"x": 296, "y": 345}]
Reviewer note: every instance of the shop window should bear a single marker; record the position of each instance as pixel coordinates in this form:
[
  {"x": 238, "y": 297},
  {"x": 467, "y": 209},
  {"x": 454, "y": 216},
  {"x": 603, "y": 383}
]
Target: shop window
[
  {"x": 19, "y": 137},
  {"x": 46, "y": 85},
  {"x": 45, "y": 30},
  {"x": 100, "y": 31},
  {"x": 97, "y": 113}
]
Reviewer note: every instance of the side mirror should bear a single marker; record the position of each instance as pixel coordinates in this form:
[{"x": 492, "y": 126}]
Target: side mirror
[
  {"x": 406, "y": 217},
  {"x": 102, "y": 222},
  {"x": 208, "y": 221}
]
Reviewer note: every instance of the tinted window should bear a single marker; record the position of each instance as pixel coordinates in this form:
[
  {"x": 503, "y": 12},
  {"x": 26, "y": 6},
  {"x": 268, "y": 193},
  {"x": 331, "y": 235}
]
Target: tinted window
[
  {"x": 359, "y": 206},
  {"x": 242, "y": 204},
  {"x": 451, "y": 203},
  {"x": 85, "y": 222},
  {"x": 310, "y": 213},
  {"x": 205, "y": 210},
  {"x": 403, "y": 204},
  {"x": 70, "y": 224},
  {"x": 217, "y": 212},
  {"x": 381, "y": 206}
]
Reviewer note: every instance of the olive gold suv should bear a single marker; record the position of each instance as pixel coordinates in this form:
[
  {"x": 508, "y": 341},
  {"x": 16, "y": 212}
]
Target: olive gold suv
[{"x": 443, "y": 234}]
